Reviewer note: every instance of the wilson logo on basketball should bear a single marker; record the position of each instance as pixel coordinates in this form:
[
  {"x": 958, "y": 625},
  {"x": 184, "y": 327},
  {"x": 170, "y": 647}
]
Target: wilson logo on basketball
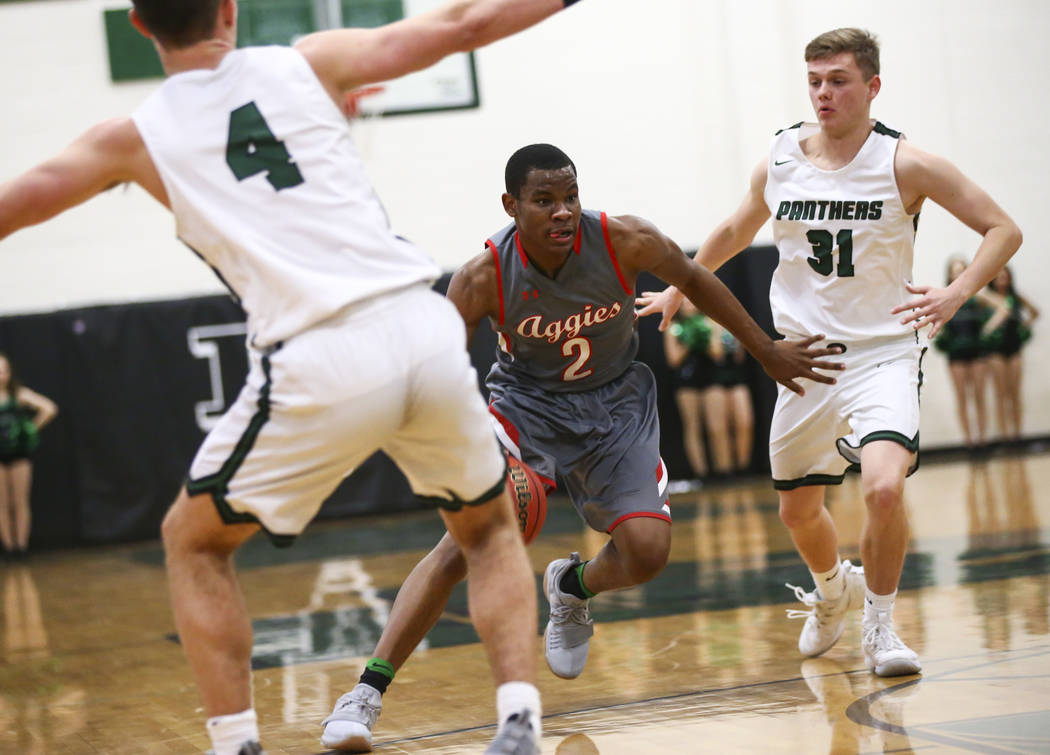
[
  {"x": 519, "y": 479},
  {"x": 570, "y": 327}
]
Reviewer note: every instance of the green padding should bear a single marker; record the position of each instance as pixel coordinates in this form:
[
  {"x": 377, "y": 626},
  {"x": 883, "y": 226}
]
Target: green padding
[
  {"x": 273, "y": 22},
  {"x": 131, "y": 55},
  {"x": 372, "y": 13}
]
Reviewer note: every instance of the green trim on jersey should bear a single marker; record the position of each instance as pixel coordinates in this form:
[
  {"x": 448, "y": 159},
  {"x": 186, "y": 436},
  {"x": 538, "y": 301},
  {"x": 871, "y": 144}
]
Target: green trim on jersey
[
  {"x": 455, "y": 503},
  {"x": 912, "y": 444},
  {"x": 796, "y": 125},
  {"x": 218, "y": 484},
  {"x": 810, "y": 479},
  {"x": 882, "y": 128}
]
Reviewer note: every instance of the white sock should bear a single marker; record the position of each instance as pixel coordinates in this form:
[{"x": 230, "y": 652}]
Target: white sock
[
  {"x": 830, "y": 583},
  {"x": 512, "y": 697},
  {"x": 874, "y": 605},
  {"x": 228, "y": 733}
]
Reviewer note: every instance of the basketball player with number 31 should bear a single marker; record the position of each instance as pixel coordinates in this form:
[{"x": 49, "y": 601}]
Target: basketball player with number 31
[{"x": 845, "y": 195}]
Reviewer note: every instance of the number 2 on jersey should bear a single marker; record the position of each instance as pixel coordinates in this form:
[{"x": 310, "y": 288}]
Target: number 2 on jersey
[
  {"x": 823, "y": 245},
  {"x": 582, "y": 348},
  {"x": 252, "y": 148}
]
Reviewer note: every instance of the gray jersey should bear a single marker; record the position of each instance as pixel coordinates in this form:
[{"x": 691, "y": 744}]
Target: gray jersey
[{"x": 574, "y": 332}]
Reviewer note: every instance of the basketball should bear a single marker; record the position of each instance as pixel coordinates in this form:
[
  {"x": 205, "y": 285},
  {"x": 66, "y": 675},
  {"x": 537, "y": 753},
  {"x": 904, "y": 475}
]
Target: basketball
[{"x": 529, "y": 497}]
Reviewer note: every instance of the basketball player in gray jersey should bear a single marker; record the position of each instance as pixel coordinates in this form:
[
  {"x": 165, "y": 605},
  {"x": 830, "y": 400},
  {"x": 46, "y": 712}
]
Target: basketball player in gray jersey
[
  {"x": 845, "y": 195},
  {"x": 568, "y": 398}
]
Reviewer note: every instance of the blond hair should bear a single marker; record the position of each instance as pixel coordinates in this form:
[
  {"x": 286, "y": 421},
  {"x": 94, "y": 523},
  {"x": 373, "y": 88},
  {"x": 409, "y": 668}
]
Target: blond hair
[{"x": 863, "y": 45}]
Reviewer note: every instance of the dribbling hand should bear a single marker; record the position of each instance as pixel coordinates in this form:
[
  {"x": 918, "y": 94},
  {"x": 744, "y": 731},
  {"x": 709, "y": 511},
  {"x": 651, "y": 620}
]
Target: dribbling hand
[{"x": 787, "y": 360}]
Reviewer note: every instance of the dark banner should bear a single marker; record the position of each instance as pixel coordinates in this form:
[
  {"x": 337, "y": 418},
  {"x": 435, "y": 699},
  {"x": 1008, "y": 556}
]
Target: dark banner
[{"x": 139, "y": 385}]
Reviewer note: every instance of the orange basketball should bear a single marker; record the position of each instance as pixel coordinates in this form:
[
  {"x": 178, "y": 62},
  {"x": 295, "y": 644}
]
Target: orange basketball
[{"x": 529, "y": 497}]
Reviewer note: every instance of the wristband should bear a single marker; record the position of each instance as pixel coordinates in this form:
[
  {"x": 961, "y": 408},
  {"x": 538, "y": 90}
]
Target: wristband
[{"x": 567, "y": 3}]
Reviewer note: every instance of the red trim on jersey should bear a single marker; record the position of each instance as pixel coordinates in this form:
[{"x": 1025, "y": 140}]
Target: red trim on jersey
[
  {"x": 499, "y": 276},
  {"x": 579, "y": 239},
  {"x": 612, "y": 253},
  {"x": 660, "y": 471},
  {"x": 647, "y": 514},
  {"x": 521, "y": 250},
  {"x": 512, "y": 431},
  {"x": 549, "y": 485}
]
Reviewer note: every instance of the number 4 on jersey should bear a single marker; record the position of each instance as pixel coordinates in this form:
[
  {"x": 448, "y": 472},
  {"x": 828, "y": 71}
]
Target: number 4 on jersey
[{"x": 252, "y": 148}]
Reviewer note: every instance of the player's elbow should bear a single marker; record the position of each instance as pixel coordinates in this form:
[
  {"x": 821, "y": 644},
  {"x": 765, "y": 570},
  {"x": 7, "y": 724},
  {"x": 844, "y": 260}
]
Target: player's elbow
[{"x": 1016, "y": 238}]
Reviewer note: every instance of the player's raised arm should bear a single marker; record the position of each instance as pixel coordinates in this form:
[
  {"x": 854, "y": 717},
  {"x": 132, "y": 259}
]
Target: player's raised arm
[
  {"x": 105, "y": 155},
  {"x": 641, "y": 246},
  {"x": 345, "y": 59},
  {"x": 729, "y": 238},
  {"x": 921, "y": 175},
  {"x": 474, "y": 290}
]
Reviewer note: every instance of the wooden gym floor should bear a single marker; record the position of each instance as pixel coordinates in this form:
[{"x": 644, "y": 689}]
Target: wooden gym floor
[{"x": 701, "y": 659}]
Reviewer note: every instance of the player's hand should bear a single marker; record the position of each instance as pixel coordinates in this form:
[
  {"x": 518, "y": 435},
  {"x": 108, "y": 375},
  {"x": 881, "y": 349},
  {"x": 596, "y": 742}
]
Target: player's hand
[
  {"x": 787, "y": 360},
  {"x": 934, "y": 307},
  {"x": 665, "y": 302}
]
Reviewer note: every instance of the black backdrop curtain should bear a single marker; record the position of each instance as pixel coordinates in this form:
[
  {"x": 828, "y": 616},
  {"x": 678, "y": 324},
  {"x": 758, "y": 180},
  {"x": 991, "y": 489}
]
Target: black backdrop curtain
[{"x": 137, "y": 385}]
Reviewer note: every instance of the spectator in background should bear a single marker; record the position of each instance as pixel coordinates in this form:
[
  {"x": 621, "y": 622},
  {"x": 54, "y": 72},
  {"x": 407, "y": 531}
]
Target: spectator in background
[
  {"x": 686, "y": 345},
  {"x": 728, "y": 414},
  {"x": 22, "y": 413},
  {"x": 1005, "y": 333},
  {"x": 961, "y": 342}
]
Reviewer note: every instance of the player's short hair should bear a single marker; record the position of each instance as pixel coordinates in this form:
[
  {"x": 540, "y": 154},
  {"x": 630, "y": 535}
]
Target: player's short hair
[
  {"x": 863, "y": 45},
  {"x": 533, "y": 157},
  {"x": 178, "y": 23}
]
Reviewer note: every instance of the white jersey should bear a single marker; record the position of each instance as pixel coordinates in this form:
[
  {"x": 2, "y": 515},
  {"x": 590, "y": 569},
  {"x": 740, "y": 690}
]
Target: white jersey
[
  {"x": 268, "y": 188},
  {"x": 844, "y": 238}
]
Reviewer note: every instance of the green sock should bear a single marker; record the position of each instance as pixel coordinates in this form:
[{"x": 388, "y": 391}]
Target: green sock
[
  {"x": 572, "y": 583},
  {"x": 378, "y": 674}
]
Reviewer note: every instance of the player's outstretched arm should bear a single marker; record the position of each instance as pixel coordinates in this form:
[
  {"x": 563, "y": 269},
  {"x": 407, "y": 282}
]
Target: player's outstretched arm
[
  {"x": 729, "y": 238},
  {"x": 106, "y": 155},
  {"x": 474, "y": 289},
  {"x": 345, "y": 59},
  {"x": 641, "y": 246},
  {"x": 921, "y": 175}
]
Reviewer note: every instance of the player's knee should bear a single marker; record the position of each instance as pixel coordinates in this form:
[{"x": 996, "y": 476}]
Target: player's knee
[
  {"x": 796, "y": 515},
  {"x": 884, "y": 494},
  {"x": 643, "y": 561},
  {"x": 450, "y": 559}
]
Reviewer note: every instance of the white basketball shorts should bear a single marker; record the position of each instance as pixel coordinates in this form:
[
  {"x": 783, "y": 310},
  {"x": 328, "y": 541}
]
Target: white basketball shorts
[
  {"x": 814, "y": 439},
  {"x": 390, "y": 374}
]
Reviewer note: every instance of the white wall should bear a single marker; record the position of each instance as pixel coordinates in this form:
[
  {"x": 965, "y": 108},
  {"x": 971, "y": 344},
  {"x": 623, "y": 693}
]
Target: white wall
[{"x": 665, "y": 106}]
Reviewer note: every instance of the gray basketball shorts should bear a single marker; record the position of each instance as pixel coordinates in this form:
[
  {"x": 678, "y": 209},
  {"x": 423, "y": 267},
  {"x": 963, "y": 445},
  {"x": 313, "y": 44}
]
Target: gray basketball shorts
[{"x": 601, "y": 446}]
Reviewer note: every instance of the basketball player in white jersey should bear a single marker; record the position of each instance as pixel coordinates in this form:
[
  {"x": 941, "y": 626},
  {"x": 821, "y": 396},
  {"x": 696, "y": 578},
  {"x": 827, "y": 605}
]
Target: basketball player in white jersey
[
  {"x": 845, "y": 195},
  {"x": 349, "y": 349}
]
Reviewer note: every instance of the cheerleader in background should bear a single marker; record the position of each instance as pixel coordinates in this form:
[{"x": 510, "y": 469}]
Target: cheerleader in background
[
  {"x": 1004, "y": 335},
  {"x": 962, "y": 343}
]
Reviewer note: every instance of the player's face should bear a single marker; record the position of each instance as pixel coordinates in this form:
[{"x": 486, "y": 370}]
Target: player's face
[
  {"x": 841, "y": 97},
  {"x": 547, "y": 212}
]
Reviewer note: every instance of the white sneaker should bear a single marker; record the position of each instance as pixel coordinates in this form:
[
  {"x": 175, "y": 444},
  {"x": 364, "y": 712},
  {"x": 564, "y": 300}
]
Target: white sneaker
[
  {"x": 568, "y": 634},
  {"x": 349, "y": 728},
  {"x": 516, "y": 737},
  {"x": 884, "y": 652},
  {"x": 826, "y": 619}
]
